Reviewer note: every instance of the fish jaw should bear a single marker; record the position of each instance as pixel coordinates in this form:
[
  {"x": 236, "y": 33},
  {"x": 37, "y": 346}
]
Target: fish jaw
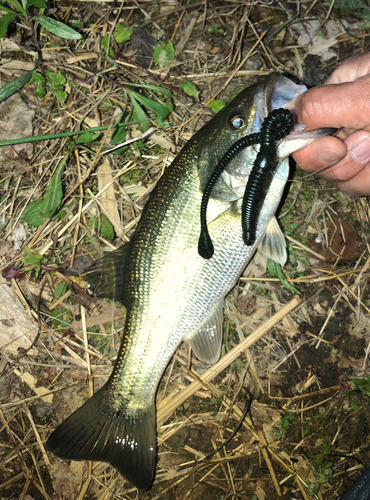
[{"x": 298, "y": 140}]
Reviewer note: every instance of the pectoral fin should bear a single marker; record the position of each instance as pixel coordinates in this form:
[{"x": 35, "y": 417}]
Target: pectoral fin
[
  {"x": 206, "y": 342},
  {"x": 273, "y": 244}
]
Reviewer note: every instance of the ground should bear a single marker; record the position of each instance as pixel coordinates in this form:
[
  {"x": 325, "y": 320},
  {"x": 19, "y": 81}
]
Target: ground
[{"x": 306, "y": 434}]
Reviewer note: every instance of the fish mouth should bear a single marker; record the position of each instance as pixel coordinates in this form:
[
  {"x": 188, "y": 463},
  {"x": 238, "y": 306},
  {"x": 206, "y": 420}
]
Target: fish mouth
[{"x": 277, "y": 92}]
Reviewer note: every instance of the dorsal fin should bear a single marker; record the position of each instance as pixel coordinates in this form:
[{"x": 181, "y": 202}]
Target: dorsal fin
[{"x": 106, "y": 276}]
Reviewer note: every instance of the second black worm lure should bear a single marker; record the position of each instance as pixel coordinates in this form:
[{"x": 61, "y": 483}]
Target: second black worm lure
[{"x": 276, "y": 126}]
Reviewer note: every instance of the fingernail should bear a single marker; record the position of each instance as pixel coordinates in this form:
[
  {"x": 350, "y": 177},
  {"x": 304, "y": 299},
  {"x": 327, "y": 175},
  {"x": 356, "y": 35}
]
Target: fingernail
[
  {"x": 361, "y": 149},
  {"x": 329, "y": 157},
  {"x": 299, "y": 127}
]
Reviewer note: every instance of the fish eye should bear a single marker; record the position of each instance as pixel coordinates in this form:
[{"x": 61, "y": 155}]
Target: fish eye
[{"x": 237, "y": 122}]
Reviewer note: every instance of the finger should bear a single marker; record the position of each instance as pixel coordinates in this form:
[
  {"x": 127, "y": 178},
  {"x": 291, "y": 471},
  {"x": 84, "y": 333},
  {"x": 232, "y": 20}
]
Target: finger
[
  {"x": 351, "y": 69},
  {"x": 352, "y": 172},
  {"x": 356, "y": 159},
  {"x": 344, "y": 105},
  {"x": 358, "y": 185},
  {"x": 321, "y": 154}
]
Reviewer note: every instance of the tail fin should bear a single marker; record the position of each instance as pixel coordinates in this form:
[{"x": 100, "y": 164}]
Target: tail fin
[{"x": 100, "y": 432}]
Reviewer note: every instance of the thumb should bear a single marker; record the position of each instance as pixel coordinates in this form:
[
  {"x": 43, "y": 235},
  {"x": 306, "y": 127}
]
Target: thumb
[{"x": 345, "y": 105}]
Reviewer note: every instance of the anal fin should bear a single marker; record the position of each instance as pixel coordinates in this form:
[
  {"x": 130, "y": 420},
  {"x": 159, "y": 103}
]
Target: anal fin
[
  {"x": 206, "y": 342},
  {"x": 273, "y": 244}
]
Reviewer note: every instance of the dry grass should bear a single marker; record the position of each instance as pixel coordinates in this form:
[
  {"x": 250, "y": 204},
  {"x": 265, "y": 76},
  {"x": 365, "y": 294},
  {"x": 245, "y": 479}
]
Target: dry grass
[{"x": 297, "y": 368}]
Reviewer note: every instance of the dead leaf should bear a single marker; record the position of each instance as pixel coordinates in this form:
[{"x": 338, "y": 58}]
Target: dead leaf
[
  {"x": 108, "y": 197},
  {"x": 17, "y": 327},
  {"x": 15, "y": 122},
  {"x": 31, "y": 382}
]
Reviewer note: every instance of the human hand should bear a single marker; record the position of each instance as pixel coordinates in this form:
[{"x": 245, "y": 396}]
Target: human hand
[{"x": 343, "y": 102}]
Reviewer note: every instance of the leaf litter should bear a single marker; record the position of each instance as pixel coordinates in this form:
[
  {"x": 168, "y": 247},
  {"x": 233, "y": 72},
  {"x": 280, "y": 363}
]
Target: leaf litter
[{"x": 307, "y": 433}]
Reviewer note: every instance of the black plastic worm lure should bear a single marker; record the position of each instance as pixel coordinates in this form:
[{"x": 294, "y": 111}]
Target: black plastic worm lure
[{"x": 275, "y": 127}]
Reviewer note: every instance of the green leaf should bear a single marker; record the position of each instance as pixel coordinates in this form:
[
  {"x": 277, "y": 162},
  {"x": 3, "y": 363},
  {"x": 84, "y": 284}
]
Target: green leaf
[
  {"x": 328, "y": 471},
  {"x": 313, "y": 489},
  {"x": 216, "y": 106},
  {"x": 123, "y": 32},
  {"x": 60, "y": 289},
  {"x": 105, "y": 44},
  {"x": 283, "y": 279},
  {"x": 215, "y": 29},
  {"x": 35, "y": 213},
  {"x": 322, "y": 478},
  {"x": 2, "y": 7},
  {"x": 60, "y": 79},
  {"x": 15, "y": 85},
  {"x": 4, "y": 22},
  {"x": 37, "y": 3},
  {"x": 365, "y": 23},
  {"x": 349, "y": 5},
  {"x": 140, "y": 114},
  {"x": 40, "y": 91},
  {"x": 164, "y": 54},
  {"x": 271, "y": 267},
  {"x": 285, "y": 424},
  {"x": 17, "y": 5},
  {"x": 77, "y": 24},
  {"x": 60, "y": 214},
  {"x": 58, "y": 28},
  {"x": 51, "y": 76},
  {"x": 32, "y": 260},
  {"x": 359, "y": 381},
  {"x": 155, "y": 107},
  {"x": 106, "y": 228},
  {"x": 87, "y": 137},
  {"x": 61, "y": 95},
  {"x": 54, "y": 191},
  {"x": 293, "y": 253},
  {"x": 154, "y": 88},
  {"x": 190, "y": 88},
  {"x": 170, "y": 106},
  {"x": 31, "y": 257},
  {"x": 318, "y": 460},
  {"x": 119, "y": 136},
  {"x": 325, "y": 449},
  {"x": 61, "y": 318},
  {"x": 38, "y": 78}
]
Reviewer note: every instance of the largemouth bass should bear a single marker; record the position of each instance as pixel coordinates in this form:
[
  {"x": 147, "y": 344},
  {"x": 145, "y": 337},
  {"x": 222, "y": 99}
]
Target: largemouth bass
[{"x": 170, "y": 292}]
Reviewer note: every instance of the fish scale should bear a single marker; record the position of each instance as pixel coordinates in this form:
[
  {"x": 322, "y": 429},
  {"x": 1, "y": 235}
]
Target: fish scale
[{"x": 170, "y": 292}]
